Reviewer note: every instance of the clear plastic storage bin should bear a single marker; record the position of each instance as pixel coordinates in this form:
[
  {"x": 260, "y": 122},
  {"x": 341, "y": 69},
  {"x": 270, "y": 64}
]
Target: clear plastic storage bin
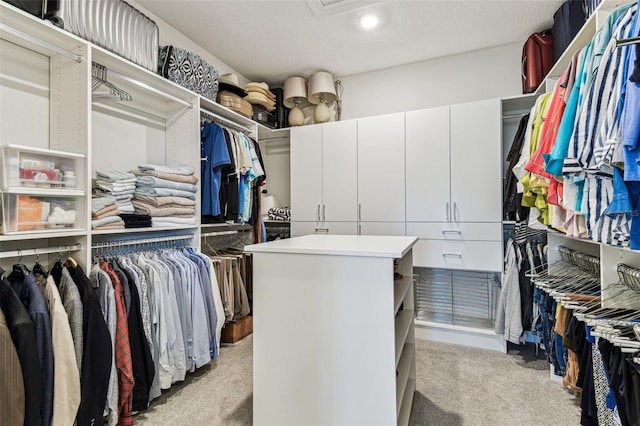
[
  {"x": 26, "y": 167},
  {"x": 31, "y": 213}
]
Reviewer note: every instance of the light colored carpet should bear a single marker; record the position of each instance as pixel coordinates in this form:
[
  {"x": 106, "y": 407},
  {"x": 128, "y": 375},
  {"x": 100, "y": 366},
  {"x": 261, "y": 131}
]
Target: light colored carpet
[{"x": 456, "y": 385}]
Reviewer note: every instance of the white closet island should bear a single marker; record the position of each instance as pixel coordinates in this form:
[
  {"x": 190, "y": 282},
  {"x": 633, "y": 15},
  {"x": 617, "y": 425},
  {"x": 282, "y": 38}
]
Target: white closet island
[{"x": 333, "y": 339}]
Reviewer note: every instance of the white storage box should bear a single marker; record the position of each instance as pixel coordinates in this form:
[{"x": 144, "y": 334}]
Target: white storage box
[
  {"x": 25, "y": 167},
  {"x": 35, "y": 213}
]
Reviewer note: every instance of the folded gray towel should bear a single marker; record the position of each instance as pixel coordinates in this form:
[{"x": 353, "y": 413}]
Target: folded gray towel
[
  {"x": 156, "y": 182},
  {"x": 105, "y": 221},
  {"x": 178, "y": 170},
  {"x": 168, "y": 176},
  {"x": 165, "y": 192},
  {"x": 114, "y": 175},
  {"x": 100, "y": 203}
]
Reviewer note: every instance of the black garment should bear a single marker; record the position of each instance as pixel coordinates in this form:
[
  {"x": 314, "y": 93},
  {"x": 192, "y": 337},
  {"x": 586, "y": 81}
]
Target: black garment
[
  {"x": 141, "y": 360},
  {"x": 526, "y": 290},
  {"x": 611, "y": 357},
  {"x": 512, "y": 207},
  {"x": 133, "y": 220},
  {"x": 23, "y": 335},
  {"x": 632, "y": 391},
  {"x": 588, "y": 405},
  {"x": 96, "y": 357}
]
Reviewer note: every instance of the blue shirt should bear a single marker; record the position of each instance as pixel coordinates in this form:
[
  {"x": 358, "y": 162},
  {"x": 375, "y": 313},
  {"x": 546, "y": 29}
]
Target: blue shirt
[{"x": 215, "y": 154}]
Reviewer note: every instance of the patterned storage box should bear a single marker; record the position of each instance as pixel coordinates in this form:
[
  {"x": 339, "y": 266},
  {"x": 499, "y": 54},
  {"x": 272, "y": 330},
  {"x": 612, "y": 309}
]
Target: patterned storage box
[{"x": 188, "y": 70}]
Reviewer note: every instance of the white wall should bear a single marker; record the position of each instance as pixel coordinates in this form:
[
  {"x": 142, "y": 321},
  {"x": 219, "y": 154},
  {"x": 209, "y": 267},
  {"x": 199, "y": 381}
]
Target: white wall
[
  {"x": 471, "y": 76},
  {"x": 171, "y": 36}
]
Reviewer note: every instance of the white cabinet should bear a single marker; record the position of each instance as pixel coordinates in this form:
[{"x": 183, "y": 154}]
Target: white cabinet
[
  {"x": 353, "y": 361},
  {"x": 306, "y": 173},
  {"x": 428, "y": 166},
  {"x": 381, "y": 180},
  {"x": 476, "y": 166},
  {"x": 453, "y": 167},
  {"x": 323, "y": 175}
]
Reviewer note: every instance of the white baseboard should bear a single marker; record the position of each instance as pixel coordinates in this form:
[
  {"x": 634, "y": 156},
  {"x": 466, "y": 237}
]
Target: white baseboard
[{"x": 459, "y": 335}]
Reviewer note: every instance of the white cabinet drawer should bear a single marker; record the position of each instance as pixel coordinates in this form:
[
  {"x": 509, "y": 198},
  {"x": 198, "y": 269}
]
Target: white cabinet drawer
[
  {"x": 461, "y": 231},
  {"x": 470, "y": 255},
  {"x": 382, "y": 228}
]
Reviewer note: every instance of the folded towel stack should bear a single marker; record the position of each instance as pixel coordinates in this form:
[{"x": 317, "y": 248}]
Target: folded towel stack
[
  {"x": 282, "y": 214},
  {"x": 104, "y": 213},
  {"x": 166, "y": 194},
  {"x": 119, "y": 185},
  {"x": 136, "y": 220}
]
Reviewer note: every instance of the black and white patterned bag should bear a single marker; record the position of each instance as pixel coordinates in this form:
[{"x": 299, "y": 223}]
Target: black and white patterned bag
[{"x": 188, "y": 70}]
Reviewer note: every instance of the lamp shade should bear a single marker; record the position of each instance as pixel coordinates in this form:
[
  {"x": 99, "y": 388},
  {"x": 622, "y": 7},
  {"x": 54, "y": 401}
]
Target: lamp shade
[
  {"x": 321, "y": 87},
  {"x": 295, "y": 88}
]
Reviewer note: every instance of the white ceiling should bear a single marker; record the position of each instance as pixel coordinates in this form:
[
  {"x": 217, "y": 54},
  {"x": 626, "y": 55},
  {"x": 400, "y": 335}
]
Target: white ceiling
[{"x": 269, "y": 40}]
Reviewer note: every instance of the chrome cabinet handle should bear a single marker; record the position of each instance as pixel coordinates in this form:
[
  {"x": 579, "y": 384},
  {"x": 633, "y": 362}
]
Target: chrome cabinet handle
[
  {"x": 324, "y": 218},
  {"x": 458, "y": 255},
  {"x": 455, "y": 212},
  {"x": 448, "y": 214},
  {"x": 359, "y": 211},
  {"x": 318, "y": 213},
  {"x": 359, "y": 229},
  {"x": 322, "y": 230},
  {"x": 451, "y": 231}
]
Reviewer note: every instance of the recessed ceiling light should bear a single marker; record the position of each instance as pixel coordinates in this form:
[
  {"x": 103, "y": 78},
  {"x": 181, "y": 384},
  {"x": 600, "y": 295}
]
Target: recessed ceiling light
[{"x": 369, "y": 22}]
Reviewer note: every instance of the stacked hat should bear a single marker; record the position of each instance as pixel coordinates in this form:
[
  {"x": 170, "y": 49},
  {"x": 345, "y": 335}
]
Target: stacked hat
[
  {"x": 259, "y": 94},
  {"x": 231, "y": 93}
]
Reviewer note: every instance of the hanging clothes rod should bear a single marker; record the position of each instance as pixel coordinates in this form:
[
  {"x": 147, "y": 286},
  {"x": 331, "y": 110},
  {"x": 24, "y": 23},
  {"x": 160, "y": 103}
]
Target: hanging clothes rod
[
  {"x": 151, "y": 89},
  {"x": 510, "y": 116},
  {"x": 218, "y": 233},
  {"x": 142, "y": 241},
  {"x": 39, "y": 251},
  {"x": 224, "y": 121},
  {"x": 41, "y": 43},
  {"x": 627, "y": 41}
]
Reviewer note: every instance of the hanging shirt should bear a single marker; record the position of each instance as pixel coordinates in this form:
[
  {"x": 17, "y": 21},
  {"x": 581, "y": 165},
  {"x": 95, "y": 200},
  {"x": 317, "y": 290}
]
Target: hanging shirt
[
  {"x": 215, "y": 155},
  {"x": 11, "y": 382},
  {"x": 33, "y": 299},
  {"x": 73, "y": 306}
]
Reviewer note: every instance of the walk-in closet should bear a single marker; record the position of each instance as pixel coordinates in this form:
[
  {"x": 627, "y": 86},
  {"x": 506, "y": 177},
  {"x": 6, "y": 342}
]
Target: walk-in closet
[{"x": 319, "y": 212}]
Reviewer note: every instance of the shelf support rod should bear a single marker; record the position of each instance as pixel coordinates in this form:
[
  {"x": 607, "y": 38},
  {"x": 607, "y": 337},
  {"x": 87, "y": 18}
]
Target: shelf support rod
[{"x": 41, "y": 43}]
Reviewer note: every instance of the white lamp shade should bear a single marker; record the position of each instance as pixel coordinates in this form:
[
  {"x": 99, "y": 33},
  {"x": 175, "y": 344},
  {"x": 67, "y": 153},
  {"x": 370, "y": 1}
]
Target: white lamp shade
[
  {"x": 321, "y": 86},
  {"x": 268, "y": 202},
  {"x": 295, "y": 88}
]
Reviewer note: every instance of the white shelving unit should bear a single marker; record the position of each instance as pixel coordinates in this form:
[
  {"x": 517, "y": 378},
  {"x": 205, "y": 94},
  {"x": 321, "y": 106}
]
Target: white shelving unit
[
  {"x": 46, "y": 102},
  {"x": 351, "y": 326}
]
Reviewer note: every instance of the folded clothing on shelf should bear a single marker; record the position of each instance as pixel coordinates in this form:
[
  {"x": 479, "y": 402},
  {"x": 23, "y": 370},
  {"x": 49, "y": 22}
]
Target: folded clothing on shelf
[
  {"x": 100, "y": 203},
  {"x": 168, "y": 176},
  {"x": 165, "y": 201},
  {"x": 156, "y": 182},
  {"x": 173, "y": 221},
  {"x": 106, "y": 221},
  {"x": 115, "y": 176},
  {"x": 178, "y": 170},
  {"x": 165, "y": 192},
  {"x": 136, "y": 220},
  {"x": 144, "y": 208}
]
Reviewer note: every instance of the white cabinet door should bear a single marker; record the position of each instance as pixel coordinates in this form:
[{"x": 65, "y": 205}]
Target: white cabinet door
[
  {"x": 476, "y": 178},
  {"x": 427, "y": 165},
  {"x": 340, "y": 171},
  {"x": 302, "y": 228},
  {"x": 381, "y": 168},
  {"x": 306, "y": 173}
]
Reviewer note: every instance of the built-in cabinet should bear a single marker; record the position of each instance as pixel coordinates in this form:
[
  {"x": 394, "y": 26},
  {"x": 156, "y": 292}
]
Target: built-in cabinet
[{"x": 324, "y": 178}]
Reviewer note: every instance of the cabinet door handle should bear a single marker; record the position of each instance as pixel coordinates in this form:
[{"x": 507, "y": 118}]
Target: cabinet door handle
[
  {"x": 458, "y": 255},
  {"x": 359, "y": 211},
  {"x": 318, "y": 213},
  {"x": 322, "y": 230},
  {"x": 359, "y": 229},
  {"x": 451, "y": 231},
  {"x": 324, "y": 218},
  {"x": 448, "y": 214},
  {"x": 455, "y": 212}
]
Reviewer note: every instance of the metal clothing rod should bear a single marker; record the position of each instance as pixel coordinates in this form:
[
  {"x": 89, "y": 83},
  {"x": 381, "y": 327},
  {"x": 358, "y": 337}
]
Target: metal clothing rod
[
  {"x": 151, "y": 89},
  {"x": 224, "y": 121},
  {"x": 627, "y": 41},
  {"x": 218, "y": 233},
  {"x": 507, "y": 117},
  {"x": 42, "y": 43},
  {"x": 153, "y": 240},
  {"x": 38, "y": 251}
]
